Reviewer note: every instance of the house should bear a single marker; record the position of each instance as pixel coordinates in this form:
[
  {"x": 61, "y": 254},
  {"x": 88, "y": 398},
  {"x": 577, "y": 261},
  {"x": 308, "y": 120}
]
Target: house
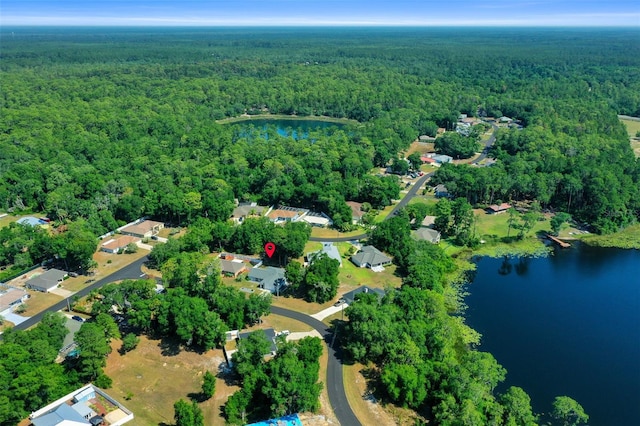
[
  {"x": 496, "y": 209},
  {"x": 31, "y": 221},
  {"x": 286, "y": 214},
  {"x": 426, "y": 138},
  {"x": 327, "y": 248},
  {"x": 269, "y": 278},
  {"x": 428, "y": 221},
  {"x": 144, "y": 229},
  {"x": 427, "y": 234},
  {"x": 79, "y": 409},
  {"x": 245, "y": 210},
  {"x": 12, "y": 297},
  {"x": 441, "y": 191},
  {"x": 370, "y": 257},
  {"x": 46, "y": 281},
  {"x": 441, "y": 158},
  {"x": 269, "y": 334},
  {"x": 320, "y": 220},
  {"x": 232, "y": 268},
  {"x": 116, "y": 245},
  {"x": 350, "y": 297},
  {"x": 356, "y": 212},
  {"x": 427, "y": 159}
]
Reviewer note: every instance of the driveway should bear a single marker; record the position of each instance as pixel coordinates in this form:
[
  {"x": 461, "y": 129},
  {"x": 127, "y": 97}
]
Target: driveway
[
  {"x": 329, "y": 311},
  {"x": 12, "y": 317}
]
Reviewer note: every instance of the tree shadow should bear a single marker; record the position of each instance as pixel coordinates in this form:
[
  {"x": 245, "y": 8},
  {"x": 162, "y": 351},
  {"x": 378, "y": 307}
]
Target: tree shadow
[
  {"x": 197, "y": 397},
  {"x": 169, "y": 346}
]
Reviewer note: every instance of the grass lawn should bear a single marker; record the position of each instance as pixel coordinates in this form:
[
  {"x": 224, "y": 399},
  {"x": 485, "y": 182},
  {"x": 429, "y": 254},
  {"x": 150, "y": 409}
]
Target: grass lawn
[
  {"x": 108, "y": 263},
  {"x": 366, "y": 408},
  {"x": 492, "y": 228},
  {"x": 5, "y": 221},
  {"x": 333, "y": 233},
  {"x": 39, "y": 301},
  {"x": 157, "y": 374},
  {"x": 384, "y": 213},
  {"x": 627, "y": 238},
  {"x": 633, "y": 126}
]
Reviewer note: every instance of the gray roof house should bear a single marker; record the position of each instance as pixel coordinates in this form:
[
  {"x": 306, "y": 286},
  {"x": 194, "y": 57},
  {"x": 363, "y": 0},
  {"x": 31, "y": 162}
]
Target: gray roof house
[
  {"x": 370, "y": 257},
  {"x": 349, "y": 297},
  {"x": 441, "y": 191},
  {"x": 269, "y": 278},
  {"x": 427, "y": 234},
  {"x": 47, "y": 281},
  {"x": 269, "y": 334},
  {"x": 329, "y": 249},
  {"x": 245, "y": 210}
]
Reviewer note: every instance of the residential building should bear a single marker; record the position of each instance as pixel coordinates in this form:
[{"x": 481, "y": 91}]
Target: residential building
[
  {"x": 46, "y": 281},
  {"x": 232, "y": 268},
  {"x": 427, "y": 234},
  {"x": 269, "y": 278},
  {"x": 116, "y": 245},
  {"x": 144, "y": 229},
  {"x": 31, "y": 221},
  {"x": 441, "y": 158},
  {"x": 501, "y": 208},
  {"x": 286, "y": 214},
  {"x": 356, "y": 212},
  {"x": 12, "y": 297},
  {"x": 88, "y": 405},
  {"x": 370, "y": 257},
  {"x": 428, "y": 221},
  {"x": 441, "y": 191},
  {"x": 350, "y": 297},
  {"x": 327, "y": 248},
  {"x": 245, "y": 210},
  {"x": 320, "y": 220}
]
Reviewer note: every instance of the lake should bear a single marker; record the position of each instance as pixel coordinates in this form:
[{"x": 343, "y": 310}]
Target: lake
[
  {"x": 568, "y": 324},
  {"x": 298, "y": 129}
]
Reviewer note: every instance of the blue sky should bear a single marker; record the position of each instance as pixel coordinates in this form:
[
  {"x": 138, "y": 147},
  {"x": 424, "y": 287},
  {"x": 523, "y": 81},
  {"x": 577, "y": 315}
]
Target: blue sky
[{"x": 322, "y": 12}]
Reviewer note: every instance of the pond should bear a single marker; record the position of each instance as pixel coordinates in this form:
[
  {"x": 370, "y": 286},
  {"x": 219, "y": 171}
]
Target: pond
[
  {"x": 298, "y": 129},
  {"x": 567, "y": 324}
]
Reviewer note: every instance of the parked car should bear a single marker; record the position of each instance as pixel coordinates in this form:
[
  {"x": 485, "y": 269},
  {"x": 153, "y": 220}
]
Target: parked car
[
  {"x": 77, "y": 318},
  {"x": 73, "y": 274}
]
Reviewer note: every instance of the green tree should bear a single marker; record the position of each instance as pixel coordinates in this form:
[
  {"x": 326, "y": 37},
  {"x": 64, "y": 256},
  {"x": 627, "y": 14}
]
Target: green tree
[
  {"x": 130, "y": 342},
  {"x": 208, "y": 384},
  {"x": 443, "y": 218},
  {"x": 558, "y": 221},
  {"x": 415, "y": 160},
  {"x": 568, "y": 411},
  {"x": 517, "y": 408},
  {"x": 321, "y": 279}
]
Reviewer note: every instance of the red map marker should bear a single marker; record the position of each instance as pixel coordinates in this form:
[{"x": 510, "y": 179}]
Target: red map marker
[{"x": 270, "y": 248}]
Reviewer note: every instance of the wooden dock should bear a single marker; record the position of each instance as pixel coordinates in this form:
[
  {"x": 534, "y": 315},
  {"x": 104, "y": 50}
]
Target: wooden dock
[{"x": 559, "y": 242}]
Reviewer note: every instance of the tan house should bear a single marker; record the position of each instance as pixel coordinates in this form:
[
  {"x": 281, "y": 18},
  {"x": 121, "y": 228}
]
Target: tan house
[
  {"x": 144, "y": 229},
  {"x": 116, "y": 245},
  {"x": 356, "y": 211}
]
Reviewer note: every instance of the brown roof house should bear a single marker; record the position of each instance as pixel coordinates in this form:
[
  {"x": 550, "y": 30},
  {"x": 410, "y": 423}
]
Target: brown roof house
[
  {"x": 286, "y": 214},
  {"x": 144, "y": 229},
  {"x": 232, "y": 268},
  {"x": 116, "y": 245},
  {"x": 12, "y": 297},
  {"x": 356, "y": 212},
  {"x": 495, "y": 208}
]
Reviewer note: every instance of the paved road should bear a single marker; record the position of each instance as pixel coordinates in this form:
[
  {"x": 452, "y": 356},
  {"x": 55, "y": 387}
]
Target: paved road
[
  {"x": 413, "y": 192},
  {"x": 131, "y": 271},
  {"x": 335, "y": 381}
]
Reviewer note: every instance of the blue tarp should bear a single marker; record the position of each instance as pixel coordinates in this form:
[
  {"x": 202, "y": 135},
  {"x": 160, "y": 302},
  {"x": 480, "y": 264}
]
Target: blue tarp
[{"x": 290, "y": 420}]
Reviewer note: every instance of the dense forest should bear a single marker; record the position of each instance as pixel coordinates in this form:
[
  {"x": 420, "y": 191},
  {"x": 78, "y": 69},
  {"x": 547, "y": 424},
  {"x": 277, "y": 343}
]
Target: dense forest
[
  {"x": 102, "y": 126},
  {"x": 108, "y": 125}
]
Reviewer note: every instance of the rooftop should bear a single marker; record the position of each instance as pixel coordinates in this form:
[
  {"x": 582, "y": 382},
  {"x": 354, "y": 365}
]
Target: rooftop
[{"x": 143, "y": 227}]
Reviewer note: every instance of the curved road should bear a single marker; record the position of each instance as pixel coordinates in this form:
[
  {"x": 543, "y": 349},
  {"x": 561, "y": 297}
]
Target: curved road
[
  {"x": 131, "y": 271},
  {"x": 335, "y": 381}
]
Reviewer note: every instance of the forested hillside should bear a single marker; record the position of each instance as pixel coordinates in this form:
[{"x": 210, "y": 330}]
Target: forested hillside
[{"x": 111, "y": 124}]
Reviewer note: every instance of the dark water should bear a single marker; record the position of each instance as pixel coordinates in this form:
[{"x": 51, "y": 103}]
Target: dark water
[
  {"x": 298, "y": 129},
  {"x": 567, "y": 325}
]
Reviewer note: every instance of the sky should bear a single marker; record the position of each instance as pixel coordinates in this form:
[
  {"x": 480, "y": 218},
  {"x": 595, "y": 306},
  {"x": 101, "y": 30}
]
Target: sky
[{"x": 322, "y": 12}]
